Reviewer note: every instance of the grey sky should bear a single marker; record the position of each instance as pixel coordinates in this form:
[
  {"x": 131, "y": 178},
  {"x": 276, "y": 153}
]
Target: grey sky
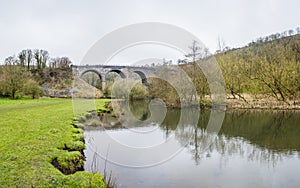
[{"x": 70, "y": 28}]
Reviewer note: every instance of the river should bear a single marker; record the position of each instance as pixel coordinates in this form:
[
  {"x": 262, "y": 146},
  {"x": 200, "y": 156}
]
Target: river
[{"x": 251, "y": 148}]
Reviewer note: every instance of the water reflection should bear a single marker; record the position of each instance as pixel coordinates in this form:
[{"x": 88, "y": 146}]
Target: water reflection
[{"x": 248, "y": 142}]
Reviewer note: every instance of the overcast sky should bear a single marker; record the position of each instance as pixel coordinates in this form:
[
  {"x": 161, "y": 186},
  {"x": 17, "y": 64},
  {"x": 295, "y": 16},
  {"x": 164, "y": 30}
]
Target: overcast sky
[{"x": 70, "y": 28}]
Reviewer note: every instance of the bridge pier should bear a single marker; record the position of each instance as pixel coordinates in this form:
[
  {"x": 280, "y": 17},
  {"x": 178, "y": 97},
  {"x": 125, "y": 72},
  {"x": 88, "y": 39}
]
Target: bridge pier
[{"x": 103, "y": 85}]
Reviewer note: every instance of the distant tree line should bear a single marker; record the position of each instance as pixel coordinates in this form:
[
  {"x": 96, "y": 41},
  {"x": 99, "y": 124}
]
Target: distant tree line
[
  {"x": 223, "y": 48},
  {"x": 275, "y": 36}
]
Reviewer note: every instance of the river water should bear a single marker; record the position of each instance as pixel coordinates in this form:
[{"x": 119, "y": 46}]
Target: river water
[{"x": 249, "y": 149}]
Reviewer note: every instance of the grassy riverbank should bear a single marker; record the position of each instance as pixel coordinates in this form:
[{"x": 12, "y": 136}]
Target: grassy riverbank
[{"x": 33, "y": 134}]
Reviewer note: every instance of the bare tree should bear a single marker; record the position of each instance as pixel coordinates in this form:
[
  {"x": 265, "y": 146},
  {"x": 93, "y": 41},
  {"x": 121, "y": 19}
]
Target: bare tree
[
  {"x": 196, "y": 55},
  {"x": 28, "y": 58},
  {"x": 41, "y": 57},
  {"x": 221, "y": 44},
  {"x": 298, "y": 30},
  {"x": 291, "y": 32},
  {"x": 64, "y": 62},
  {"x": 25, "y": 58},
  {"x": 22, "y": 57}
]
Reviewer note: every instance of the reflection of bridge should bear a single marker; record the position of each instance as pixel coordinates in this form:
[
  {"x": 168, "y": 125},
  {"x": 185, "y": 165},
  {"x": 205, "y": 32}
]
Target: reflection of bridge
[{"x": 123, "y": 71}]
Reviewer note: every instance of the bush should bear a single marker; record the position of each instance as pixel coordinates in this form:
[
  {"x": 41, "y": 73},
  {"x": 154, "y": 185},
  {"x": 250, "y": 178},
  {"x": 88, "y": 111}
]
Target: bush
[
  {"x": 32, "y": 88},
  {"x": 129, "y": 88},
  {"x": 138, "y": 92}
]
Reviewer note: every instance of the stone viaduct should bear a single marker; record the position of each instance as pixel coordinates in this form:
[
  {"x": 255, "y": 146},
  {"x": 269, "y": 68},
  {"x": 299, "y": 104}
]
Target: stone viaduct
[{"x": 123, "y": 71}]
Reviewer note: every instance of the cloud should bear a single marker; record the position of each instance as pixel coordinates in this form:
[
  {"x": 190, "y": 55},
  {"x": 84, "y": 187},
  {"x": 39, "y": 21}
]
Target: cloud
[{"x": 69, "y": 28}]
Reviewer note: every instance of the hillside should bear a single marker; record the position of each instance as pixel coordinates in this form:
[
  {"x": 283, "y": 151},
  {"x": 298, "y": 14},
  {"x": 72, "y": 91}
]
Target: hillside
[
  {"x": 266, "y": 69},
  {"x": 263, "y": 74}
]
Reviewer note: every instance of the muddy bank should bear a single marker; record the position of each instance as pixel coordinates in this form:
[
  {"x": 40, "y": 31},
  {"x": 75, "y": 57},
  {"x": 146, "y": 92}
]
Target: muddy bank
[
  {"x": 247, "y": 102},
  {"x": 261, "y": 102}
]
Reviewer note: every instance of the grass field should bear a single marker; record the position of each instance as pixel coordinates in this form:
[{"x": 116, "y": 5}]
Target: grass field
[{"x": 32, "y": 134}]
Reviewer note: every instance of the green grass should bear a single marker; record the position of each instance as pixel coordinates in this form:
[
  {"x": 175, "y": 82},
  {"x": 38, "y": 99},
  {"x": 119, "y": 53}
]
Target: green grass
[{"x": 32, "y": 135}]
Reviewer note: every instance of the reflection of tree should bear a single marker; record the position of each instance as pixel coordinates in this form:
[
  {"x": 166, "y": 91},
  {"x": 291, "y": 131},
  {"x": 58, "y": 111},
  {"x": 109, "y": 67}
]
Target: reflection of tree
[
  {"x": 140, "y": 109},
  {"x": 170, "y": 122},
  {"x": 196, "y": 148},
  {"x": 260, "y": 136},
  {"x": 272, "y": 130},
  {"x": 188, "y": 130},
  {"x": 203, "y": 144}
]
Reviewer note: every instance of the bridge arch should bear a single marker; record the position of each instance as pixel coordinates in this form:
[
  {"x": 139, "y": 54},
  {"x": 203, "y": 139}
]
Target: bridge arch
[
  {"x": 102, "y": 79},
  {"x": 90, "y": 70},
  {"x": 119, "y": 72},
  {"x": 143, "y": 76}
]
